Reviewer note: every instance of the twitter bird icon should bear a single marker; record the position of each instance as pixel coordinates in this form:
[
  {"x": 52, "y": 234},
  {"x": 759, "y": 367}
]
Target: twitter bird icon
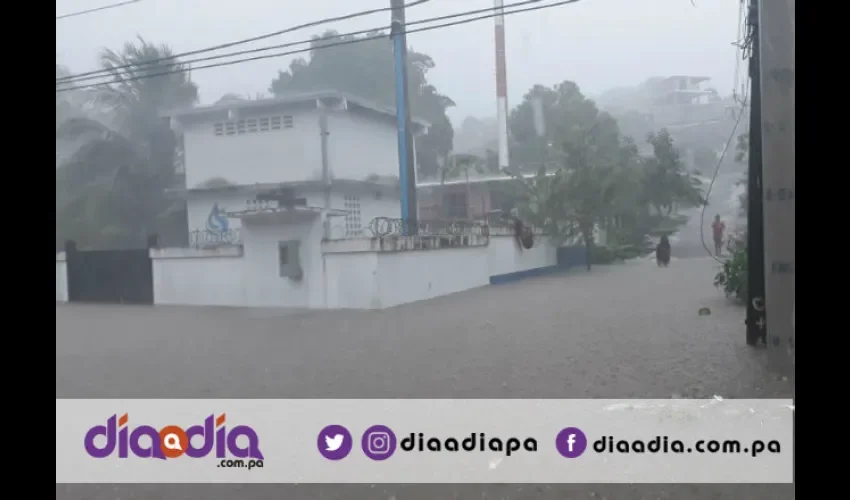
[{"x": 334, "y": 442}]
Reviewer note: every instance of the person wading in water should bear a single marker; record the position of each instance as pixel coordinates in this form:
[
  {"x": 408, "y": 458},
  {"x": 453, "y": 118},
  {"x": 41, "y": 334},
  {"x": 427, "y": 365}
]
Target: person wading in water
[
  {"x": 718, "y": 228},
  {"x": 662, "y": 252}
]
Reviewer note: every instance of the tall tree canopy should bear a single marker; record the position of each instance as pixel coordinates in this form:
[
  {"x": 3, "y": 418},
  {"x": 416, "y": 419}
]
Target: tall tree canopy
[
  {"x": 594, "y": 178},
  {"x": 366, "y": 69},
  {"x": 567, "y": 115},
  {"x": 667, "y": 182},
  {"x": 111, "y": 192}
]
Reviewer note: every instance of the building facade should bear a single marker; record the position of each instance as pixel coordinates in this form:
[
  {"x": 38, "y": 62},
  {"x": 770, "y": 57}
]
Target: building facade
[{"x": 335, "y": 151}]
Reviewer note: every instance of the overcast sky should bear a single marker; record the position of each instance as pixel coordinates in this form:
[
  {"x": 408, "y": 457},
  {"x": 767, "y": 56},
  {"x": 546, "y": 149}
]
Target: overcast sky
[{"x": 599, "y": 44}]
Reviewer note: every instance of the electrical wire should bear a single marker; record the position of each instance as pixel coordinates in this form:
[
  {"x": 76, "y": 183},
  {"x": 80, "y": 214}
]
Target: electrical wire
[
  {"x": 744, "y": 44},
  {"x": 329, "y": 45},
  {"x": 108, "y": 72},
  {"x": 82, "y": 77},
  {"x": 711, "y": 184},
  {"x": 243, "y": 41},
  {"x": 97, "y": 9},
  {"x": 740, "y": 36}
]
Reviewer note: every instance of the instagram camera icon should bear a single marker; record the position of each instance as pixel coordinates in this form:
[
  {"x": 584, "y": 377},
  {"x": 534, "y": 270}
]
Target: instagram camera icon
[{"x": 379, "y": 442}]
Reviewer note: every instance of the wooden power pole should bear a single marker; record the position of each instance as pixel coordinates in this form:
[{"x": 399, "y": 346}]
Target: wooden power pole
[{"x": 777, "y": 71}]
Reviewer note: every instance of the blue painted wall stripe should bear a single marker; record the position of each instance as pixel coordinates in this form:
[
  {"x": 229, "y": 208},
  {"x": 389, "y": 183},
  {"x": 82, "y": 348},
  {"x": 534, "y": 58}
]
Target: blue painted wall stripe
[
  {"x": 567, "y": 258},
  {"x": 528, "y": 273}
]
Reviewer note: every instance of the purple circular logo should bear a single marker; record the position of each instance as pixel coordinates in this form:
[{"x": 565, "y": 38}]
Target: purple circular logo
[
  {"x": 571, "y": 442},
  {"x": 379, "y": 442},
  {"x": 334, "y": 442}
]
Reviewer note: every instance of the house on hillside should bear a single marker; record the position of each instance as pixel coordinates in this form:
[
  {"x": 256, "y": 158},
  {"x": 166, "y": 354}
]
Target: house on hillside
[
  {"x": 683, "y": 89},
  {"x": 681, "y": 100},
  {"x": 242, "y": 157}
]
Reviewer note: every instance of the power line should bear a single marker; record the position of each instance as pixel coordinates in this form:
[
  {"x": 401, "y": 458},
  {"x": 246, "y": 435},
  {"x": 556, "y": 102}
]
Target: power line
[
  {"x": 744, "y": 45},
  {"x": 711, "y": 184},
  {"x": 102, "y": 72},
  {"x": 97, "y": 9},
  {"x": 83, "y": 77},
  {"x": 743, "y": 50},
  {"x": 329, "y": 45}
]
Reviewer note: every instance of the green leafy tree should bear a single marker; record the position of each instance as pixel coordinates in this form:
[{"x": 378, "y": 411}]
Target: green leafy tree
[
  {"x": 567, "y": 113},
  {"x": 733, "y": 276},
  {"x": 366, "y": 69},
  {"x": 111, "y": 192},
  {"x": 593, "y": 185},
  {"x": 667, "y": 183},
  {"x": 600, "y": 181}
]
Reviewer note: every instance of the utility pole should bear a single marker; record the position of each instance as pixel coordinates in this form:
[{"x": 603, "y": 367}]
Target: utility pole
[
  {"x": 778, "y": 67},
  {"x": 406, "y": 162},
  {"x": 326, "y": 173},
  {"x": 501, "y": 85},
  {"x": 756, "y": 319}
]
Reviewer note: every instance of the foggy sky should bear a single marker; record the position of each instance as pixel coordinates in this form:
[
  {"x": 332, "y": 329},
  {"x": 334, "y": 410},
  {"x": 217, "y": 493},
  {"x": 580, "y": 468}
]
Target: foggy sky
[{"x": 599, "y": 44}]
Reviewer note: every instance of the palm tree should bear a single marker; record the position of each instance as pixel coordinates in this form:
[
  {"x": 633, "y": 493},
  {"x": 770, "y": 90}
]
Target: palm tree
[{"x": 111, "y": 191}]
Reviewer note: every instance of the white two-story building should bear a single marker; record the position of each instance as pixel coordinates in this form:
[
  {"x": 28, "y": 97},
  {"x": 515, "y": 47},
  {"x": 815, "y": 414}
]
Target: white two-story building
[
  {"x": 335, "y": 152},
  {"x": 280, "y": 195}
]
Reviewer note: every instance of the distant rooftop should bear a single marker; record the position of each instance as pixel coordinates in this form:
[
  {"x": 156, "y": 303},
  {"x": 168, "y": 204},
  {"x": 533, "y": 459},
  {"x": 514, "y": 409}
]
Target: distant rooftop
[
  {"x": 343, "y": 99},
  {"x": 696, "y": 79}
]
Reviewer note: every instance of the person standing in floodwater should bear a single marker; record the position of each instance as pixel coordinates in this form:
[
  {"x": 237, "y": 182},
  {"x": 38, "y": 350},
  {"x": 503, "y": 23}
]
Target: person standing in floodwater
[
  {"x": 718, "y": 227},
  {"x": 663, "y": 251}
]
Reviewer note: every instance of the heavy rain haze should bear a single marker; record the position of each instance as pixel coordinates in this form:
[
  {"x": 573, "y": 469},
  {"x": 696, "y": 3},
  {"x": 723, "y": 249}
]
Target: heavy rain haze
[
  {"x": 599, "y": 44},
  {"x": 249, "y": 218}
]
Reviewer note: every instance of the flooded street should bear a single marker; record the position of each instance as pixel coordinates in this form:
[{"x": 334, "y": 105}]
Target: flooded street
[{"x": 620, "y": 331}]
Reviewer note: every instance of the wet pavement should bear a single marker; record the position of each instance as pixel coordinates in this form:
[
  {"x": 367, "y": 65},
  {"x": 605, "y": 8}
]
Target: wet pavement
[{"x": 620, "y": 331}]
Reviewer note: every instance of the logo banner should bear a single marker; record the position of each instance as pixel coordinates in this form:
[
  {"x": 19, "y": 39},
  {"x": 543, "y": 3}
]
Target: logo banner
[{"x": 424, "y": 441}]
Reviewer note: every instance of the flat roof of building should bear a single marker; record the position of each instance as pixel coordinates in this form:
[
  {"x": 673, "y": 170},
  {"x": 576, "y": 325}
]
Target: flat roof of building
[
  {"x": 348, "y": 101},
  {"x": 697, "y": 78},
  {"x": 315, "y": 184},
  {"x": 271, "y": 186},
  {"x": 475, "y": 180}
]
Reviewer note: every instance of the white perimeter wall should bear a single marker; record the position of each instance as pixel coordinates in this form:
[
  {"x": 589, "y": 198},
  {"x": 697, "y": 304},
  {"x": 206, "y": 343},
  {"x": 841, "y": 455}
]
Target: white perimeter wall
[
  {"x": 262, "y": 271},
  {"x": 377, "y": 280},
  {"x": 353, "y": 280},
  {"x": 354, "y": 274},
  {"x": 505, "y": 256},
  {"x": 359, "y": 279},
  {"x": 405, "y": 277},
  {"x": 242, "y": 276},
  {"x": 188, "y": 276}
]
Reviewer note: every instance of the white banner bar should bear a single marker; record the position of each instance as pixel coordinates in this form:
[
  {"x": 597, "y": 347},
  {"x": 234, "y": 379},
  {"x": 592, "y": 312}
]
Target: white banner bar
[{"x": 424, "y": 441}]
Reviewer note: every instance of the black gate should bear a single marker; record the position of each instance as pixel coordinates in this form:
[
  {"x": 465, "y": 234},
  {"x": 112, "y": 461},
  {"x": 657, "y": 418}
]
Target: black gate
[{"x": 109, "y": 276}]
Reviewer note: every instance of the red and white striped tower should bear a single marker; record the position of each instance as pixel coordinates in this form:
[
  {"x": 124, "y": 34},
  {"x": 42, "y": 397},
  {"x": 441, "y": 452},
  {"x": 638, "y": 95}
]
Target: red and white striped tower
[{"x": 501, "y": 85}]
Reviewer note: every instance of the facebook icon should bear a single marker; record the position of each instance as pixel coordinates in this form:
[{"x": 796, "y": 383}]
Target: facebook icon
[{"x": 571, "y": 442}]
